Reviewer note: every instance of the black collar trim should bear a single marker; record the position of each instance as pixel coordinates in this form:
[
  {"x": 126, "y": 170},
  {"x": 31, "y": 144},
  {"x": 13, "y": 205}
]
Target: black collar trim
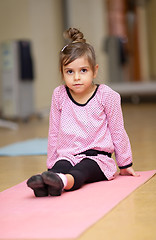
[{"x": 80, "y": 104}]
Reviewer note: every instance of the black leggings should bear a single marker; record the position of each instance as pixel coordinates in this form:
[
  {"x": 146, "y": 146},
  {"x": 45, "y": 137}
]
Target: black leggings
[{"x": 87, "y": 171}]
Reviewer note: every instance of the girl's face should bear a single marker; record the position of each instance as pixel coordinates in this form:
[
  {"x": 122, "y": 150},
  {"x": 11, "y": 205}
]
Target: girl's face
[{"x": 78, "y": 75}]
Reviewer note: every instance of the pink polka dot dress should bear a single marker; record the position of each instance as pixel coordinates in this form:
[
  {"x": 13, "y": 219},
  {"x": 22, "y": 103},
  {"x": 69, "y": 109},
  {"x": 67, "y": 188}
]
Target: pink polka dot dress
[{"x": 97, "y": 124}]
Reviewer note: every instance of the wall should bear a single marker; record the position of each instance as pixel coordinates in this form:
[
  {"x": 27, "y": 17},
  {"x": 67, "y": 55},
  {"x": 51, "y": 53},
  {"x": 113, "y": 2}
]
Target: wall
[
  {"x": 143, "y": 42},
  {"x": 90, "y": 17},
  {"x": 151, "y": 28},
  {"x": 41, "y": 22}
]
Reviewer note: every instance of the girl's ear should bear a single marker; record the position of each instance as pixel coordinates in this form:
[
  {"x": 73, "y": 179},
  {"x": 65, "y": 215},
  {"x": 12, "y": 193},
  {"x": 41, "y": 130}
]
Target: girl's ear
[{"x": 96, "y": 70}]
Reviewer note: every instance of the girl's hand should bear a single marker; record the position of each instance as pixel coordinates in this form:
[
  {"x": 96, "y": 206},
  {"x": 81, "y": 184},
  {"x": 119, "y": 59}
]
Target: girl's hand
[{"x": 128, "y": 171}]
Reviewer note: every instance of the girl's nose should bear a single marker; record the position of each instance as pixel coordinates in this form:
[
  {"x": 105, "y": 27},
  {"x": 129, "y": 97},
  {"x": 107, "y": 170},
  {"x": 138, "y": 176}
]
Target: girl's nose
[{"x": 77, "y": 76}]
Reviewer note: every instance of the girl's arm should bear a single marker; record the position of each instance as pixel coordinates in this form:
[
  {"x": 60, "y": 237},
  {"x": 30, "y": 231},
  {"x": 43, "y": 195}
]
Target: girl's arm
[
  {"x": 54, "y": 120},
  {"x": 122, "y": 147}
]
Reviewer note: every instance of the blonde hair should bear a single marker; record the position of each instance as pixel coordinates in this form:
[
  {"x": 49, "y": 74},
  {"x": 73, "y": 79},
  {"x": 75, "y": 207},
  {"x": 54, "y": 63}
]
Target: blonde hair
[{"x": 77, "y": 47}]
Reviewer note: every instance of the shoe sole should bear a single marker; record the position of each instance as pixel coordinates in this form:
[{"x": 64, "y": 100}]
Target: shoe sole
[
  {"x": 54, "y": 182},
  {"x": 37, "y": 184}
]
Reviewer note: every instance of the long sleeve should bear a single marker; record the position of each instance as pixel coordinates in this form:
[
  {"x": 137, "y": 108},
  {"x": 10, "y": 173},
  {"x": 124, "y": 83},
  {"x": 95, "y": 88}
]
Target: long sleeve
[
  {"x": 118, "y": 133},
  {"x": 54, "y": 121}
]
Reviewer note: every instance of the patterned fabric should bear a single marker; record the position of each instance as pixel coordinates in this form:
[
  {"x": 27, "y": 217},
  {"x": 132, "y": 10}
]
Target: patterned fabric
[{"x": 98, "y": 124}]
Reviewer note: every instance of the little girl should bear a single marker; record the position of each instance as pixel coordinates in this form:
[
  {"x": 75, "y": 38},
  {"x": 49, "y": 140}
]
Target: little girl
[{"x": 85, "y": 126}]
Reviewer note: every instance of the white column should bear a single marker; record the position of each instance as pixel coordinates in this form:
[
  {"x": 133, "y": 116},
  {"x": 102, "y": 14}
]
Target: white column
[
  {"x": 89, "y": 16},
  {"x": 143, "y": 44},
  {"x": 46, "y": 31}
]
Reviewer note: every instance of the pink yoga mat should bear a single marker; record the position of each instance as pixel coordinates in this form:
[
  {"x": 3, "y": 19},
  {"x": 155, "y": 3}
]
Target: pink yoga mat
[{"x": 23, "y": 216}]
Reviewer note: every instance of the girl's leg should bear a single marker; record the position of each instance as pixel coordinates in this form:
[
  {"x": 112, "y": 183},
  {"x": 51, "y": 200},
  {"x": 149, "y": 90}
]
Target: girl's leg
[
  {"x": 62, "y": 166},
  {"x": 87, "y": 171}
]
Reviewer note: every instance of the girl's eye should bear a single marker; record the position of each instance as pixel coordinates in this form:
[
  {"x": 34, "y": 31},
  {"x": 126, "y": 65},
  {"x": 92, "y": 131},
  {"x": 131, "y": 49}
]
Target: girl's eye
[
  {"x": 69, "y": 71},
  {"x": 83, "y": 70}
]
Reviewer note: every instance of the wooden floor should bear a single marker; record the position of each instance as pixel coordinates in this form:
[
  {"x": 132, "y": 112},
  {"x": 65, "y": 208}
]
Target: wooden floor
[{"x": 135, "y": 217}]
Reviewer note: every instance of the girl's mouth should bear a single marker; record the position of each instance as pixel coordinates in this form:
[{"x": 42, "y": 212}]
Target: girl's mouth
[{"x": 77, "y": 85}]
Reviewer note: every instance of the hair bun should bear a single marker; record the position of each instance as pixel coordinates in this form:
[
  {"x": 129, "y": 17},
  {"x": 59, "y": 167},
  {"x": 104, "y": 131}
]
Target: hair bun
[{"x": 74, "y": 35}]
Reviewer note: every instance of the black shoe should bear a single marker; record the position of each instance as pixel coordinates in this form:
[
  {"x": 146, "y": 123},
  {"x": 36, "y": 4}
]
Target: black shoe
[
  {"x": 36, "y": 183},
  {"x": 54, "y": 182}
]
